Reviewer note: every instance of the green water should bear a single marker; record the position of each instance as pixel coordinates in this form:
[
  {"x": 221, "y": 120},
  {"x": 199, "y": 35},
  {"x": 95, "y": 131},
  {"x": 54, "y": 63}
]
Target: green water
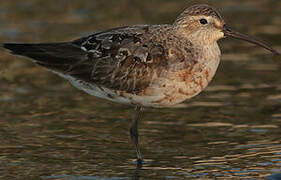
[{"x": 52, "y": 131}]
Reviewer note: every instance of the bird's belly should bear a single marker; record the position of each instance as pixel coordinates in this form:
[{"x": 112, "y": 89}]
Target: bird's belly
[
  {"x": 169, "y": 94},
  {"x": 176, "y": 87}
]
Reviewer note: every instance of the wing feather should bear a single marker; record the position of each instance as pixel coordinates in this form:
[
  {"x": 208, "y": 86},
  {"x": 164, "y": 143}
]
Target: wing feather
[{"x": 123, "y": 59}]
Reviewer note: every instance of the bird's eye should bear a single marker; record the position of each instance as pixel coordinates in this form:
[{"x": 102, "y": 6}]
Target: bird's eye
[{"x": 203, "y": 21}]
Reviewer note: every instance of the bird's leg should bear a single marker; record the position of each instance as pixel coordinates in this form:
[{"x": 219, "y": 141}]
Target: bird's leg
[{"x": 134, "y": 133}]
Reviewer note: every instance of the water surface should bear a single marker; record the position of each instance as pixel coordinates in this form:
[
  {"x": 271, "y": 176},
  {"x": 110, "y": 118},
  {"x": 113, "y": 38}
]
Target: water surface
[{"x": 52, "y": 131}]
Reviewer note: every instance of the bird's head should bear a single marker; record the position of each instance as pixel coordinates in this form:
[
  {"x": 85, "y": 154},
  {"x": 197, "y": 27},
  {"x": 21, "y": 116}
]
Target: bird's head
[{"x": 203, "y": 25}]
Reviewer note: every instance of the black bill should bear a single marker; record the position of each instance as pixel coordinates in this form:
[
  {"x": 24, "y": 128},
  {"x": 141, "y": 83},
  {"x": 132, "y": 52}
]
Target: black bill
[{"x": 230, "y": 33}]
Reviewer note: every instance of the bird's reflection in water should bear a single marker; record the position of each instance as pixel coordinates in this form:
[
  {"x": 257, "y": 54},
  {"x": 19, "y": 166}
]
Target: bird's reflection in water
[{"x": 136, "y": 174}]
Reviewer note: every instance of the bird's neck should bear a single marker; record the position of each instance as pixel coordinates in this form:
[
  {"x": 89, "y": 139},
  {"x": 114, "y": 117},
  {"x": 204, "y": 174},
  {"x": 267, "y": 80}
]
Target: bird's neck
[{"x": 210, "y": 52}]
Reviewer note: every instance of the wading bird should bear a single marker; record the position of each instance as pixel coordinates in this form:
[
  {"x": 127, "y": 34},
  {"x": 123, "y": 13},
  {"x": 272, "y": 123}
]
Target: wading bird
[{"x": 141, "y": 65}]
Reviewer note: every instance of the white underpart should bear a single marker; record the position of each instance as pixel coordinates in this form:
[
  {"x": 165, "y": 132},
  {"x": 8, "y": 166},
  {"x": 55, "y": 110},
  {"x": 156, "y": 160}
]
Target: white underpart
[{"x": 94, "y": 90}]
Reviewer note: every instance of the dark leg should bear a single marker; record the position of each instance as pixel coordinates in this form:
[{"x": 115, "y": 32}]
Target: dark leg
[{"x": 134, "y": 133}]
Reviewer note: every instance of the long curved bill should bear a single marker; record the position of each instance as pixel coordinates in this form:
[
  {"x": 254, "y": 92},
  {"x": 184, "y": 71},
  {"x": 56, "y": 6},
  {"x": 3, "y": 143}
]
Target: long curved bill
[{"x": 230, "y": 33}]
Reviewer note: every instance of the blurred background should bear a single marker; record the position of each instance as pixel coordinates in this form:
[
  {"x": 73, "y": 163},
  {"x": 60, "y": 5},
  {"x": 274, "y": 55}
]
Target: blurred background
[{"x": 50, "y": 130}]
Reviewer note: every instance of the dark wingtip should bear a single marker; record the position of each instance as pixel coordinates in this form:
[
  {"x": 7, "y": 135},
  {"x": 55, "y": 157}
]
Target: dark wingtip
[
  {"x": 6, "y": 45},
  {"x": 21, "y": 48},
  {"x": 13, "y": 47}
]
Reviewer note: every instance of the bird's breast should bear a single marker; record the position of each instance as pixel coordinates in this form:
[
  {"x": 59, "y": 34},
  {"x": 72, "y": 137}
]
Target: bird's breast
[{"x": 175, "y": 86}]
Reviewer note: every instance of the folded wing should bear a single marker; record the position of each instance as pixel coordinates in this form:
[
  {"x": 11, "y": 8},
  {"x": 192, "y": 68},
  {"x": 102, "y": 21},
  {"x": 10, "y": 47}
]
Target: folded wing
[{"x": 123, "y": 59}]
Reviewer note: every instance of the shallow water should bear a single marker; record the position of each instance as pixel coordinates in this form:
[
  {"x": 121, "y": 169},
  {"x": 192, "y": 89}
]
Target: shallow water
[{"x": 52, "y": 131}]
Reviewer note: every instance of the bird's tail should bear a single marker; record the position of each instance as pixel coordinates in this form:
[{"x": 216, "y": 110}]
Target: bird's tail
[{"x": 54, "y": 56}]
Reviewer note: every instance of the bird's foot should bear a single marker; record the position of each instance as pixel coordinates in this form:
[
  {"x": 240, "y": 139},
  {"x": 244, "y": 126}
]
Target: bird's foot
[{"x": 139, "y": 162}]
